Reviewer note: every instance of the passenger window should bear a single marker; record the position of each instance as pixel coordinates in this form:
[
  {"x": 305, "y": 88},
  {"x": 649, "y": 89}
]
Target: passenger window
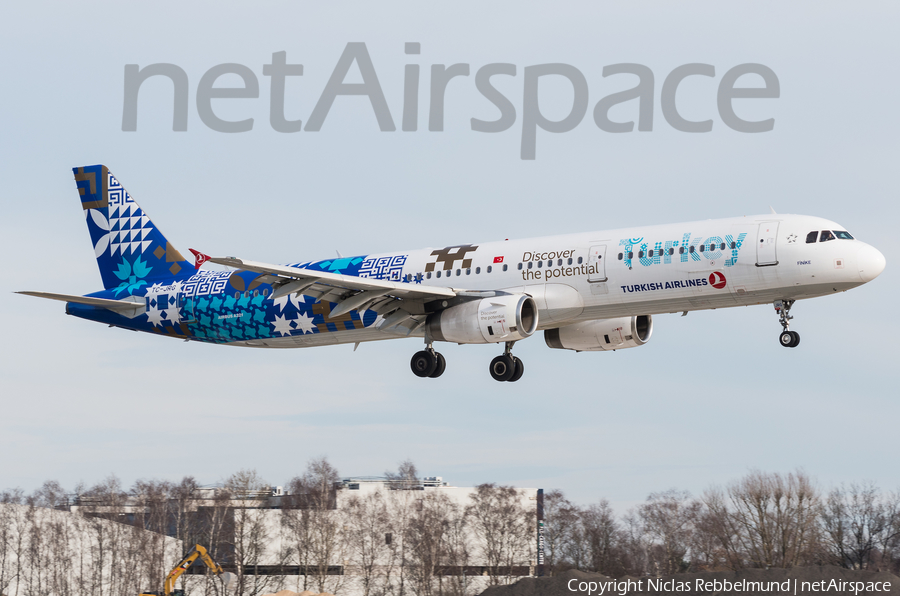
[
  {"x": 570, "y": 260},
  {"x": 505, "y": 267},
  {"x": 520, "y": 267},
  {"x": 468, "y": 271},
  {"x": 530, "y": 264},
  {"x": 722, "y": 246},
  {"x": 640, "y": 254},
  {"x": 733, "y": 245},
  {"x": 630, "y": 255},
  {"x": 825, "y": 236},
  {"x": 559, "y": 262},
  {"x": 489, "y": 268},
  {"x": 477, "y": 270},
  {"x": 438, "y": 274},
  {"x": 620, "y": 256},
  {"x": 702, "y": 248},
  {"x": 650, "y": 254},
  {"x": 428, "y": 275},
  {"x": 540, "y": 264},
  {"x": 691, "y": 250},
  {"x": 458, "y": 272},
  {"x": 579, "y": 260},
  {"x": 237, "y": 295}
]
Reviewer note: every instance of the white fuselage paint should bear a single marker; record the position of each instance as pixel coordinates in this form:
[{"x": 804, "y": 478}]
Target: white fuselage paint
[{"x": 773, "y": 262}]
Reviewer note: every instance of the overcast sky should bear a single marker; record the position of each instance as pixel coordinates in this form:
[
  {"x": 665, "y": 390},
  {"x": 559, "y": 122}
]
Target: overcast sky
[{"x": 711, "y": 397}]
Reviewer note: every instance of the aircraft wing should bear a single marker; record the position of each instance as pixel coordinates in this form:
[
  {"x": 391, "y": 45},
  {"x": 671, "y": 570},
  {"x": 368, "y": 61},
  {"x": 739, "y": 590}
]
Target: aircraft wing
[{"x": 401, "y": 303}]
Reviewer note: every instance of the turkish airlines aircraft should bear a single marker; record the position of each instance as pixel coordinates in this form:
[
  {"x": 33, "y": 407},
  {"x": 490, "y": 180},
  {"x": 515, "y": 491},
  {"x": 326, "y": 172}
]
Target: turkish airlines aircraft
[{"x": 592, "y": 291}]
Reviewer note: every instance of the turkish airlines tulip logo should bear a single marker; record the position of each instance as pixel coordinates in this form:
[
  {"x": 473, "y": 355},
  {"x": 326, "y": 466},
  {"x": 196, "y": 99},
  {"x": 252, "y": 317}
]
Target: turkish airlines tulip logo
[{"x": 717, "y": 280}]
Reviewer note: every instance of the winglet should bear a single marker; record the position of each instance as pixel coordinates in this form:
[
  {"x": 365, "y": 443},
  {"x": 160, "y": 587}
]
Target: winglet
[{"x": 199, "y": 258}]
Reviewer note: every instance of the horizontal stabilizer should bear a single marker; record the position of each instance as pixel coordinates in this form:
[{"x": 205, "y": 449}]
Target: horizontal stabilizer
[{"x": 121, "y": 306}]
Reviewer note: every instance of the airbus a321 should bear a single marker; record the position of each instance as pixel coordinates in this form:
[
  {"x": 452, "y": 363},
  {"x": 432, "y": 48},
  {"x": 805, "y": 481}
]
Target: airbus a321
[{"x": 593, "y": 291}]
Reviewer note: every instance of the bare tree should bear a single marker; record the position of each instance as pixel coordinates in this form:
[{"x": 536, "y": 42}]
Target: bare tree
[
  {"x": 561, "y": 519},
  {"x": 406, "y": 476},
  {"x": 503, "y": 529},
  {"x": 250, "y": 532},
  {"x": 861, "y": 527},
  {"x": 370, "y": 542},
  {"x": 775, "y": 518},
  {"x": 601, "y": 531},
  {"x": 314, "y": 526},
  {"x": 668, "y": 519}
]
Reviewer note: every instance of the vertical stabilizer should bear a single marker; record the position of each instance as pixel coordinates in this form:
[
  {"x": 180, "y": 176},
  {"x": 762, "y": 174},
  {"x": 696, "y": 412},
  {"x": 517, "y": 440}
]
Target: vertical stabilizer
[{"x": 130, "y": 249}]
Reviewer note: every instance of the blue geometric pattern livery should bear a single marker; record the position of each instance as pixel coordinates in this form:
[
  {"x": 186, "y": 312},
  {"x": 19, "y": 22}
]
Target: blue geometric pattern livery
[
  {"x": 130, "y": 249},
  {"x": 390, "y": 268}
]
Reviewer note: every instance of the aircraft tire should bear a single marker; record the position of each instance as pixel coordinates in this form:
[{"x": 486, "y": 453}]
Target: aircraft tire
[
  {"x": 441, "y": 365},
  {"x": 423, "y": 363},
  {"x": 786, "y": 339},
  {"x": 502, "y": 368},
  {"x": 519, "y": 371},
  {"x": 796, "y": 341}
]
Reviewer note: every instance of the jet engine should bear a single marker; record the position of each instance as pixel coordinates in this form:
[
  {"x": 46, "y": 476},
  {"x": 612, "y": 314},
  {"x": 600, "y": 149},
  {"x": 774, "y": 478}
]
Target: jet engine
[
  {"x": 602, "y": 335},
  {"x": 508, "y": 317}
]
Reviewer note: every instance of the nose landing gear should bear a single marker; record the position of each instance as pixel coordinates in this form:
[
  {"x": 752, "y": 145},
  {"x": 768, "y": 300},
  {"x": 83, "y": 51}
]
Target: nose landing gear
[
  {"x": 788, "y": 338},
  {"x": 507, "y": 367}
]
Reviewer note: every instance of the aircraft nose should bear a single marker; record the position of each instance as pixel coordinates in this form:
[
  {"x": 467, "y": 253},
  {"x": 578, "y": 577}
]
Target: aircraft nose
[{"x": 870, "y": 262}]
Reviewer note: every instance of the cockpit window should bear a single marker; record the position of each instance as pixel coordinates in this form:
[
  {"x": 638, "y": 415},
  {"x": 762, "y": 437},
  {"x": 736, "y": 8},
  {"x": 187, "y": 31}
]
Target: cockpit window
[
  {"x": 842, "y": 235},
  {"x": 825, "y": 236},
  {"x": 811, "y": 237}
]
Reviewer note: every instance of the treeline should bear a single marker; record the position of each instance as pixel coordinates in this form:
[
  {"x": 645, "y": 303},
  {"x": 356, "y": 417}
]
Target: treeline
[
  {"x": 106, "y": 540},
  {"x": 759, "y": 521},
  {"x": 399, "y": 542}
]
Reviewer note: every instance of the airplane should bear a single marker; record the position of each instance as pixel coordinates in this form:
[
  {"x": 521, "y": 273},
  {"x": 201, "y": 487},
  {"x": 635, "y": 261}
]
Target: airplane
[{"x": 593, "y": 291}]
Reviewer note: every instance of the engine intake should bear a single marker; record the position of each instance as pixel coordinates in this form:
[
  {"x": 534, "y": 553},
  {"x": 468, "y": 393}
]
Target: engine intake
[
  {"x": 602, "y": 335},
  {"x": 509, "y": 317}
]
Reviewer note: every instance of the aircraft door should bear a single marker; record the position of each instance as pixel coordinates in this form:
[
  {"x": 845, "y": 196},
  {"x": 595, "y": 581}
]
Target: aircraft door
[
  {"x": 765, "y": 244},
  {"x": 597, "y": 263}
]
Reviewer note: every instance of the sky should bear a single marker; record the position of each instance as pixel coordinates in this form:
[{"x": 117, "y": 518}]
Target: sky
[{"x": 710, "y": 398}]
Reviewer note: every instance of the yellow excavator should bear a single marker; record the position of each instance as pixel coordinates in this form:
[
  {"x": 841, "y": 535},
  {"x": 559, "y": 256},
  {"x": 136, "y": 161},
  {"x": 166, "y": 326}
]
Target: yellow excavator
[{"x": 188, "y": 560}]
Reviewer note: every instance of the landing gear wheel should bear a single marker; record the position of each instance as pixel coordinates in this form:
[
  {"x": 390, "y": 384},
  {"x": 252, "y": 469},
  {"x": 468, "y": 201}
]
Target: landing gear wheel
[
  {"x": 520, "y": 370},
  {"x": 786, "y": 339},
  {"x": 440, "y": 365},
  {"x": 796, "y": 341},
  {"x": 503, "y": 367},
  {"x": 424, "y": 363}
]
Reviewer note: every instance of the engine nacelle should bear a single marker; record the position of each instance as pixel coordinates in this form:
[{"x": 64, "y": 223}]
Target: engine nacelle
[
  {"x": 602, "y": 335},
  {"x": 489, "y": 320}
]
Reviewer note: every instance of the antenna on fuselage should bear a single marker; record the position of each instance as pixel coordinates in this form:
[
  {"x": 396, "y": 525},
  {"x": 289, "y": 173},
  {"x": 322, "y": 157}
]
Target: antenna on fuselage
[{"x": 772, "y": 209}]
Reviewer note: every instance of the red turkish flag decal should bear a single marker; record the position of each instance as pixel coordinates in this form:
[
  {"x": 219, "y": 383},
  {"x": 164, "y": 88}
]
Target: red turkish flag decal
[
  {"x": 498, "y": 259},
  {"x": 199, "y": 258}
]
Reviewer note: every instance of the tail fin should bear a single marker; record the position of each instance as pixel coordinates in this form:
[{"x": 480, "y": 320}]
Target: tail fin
[{"x": 130, "y": 249}]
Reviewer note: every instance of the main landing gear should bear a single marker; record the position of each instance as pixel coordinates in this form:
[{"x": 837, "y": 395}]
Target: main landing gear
[
  {"x": 507, "y": 367},
  {"x": 788, "y": 338},
  {"x": 428, "y": 363}
]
